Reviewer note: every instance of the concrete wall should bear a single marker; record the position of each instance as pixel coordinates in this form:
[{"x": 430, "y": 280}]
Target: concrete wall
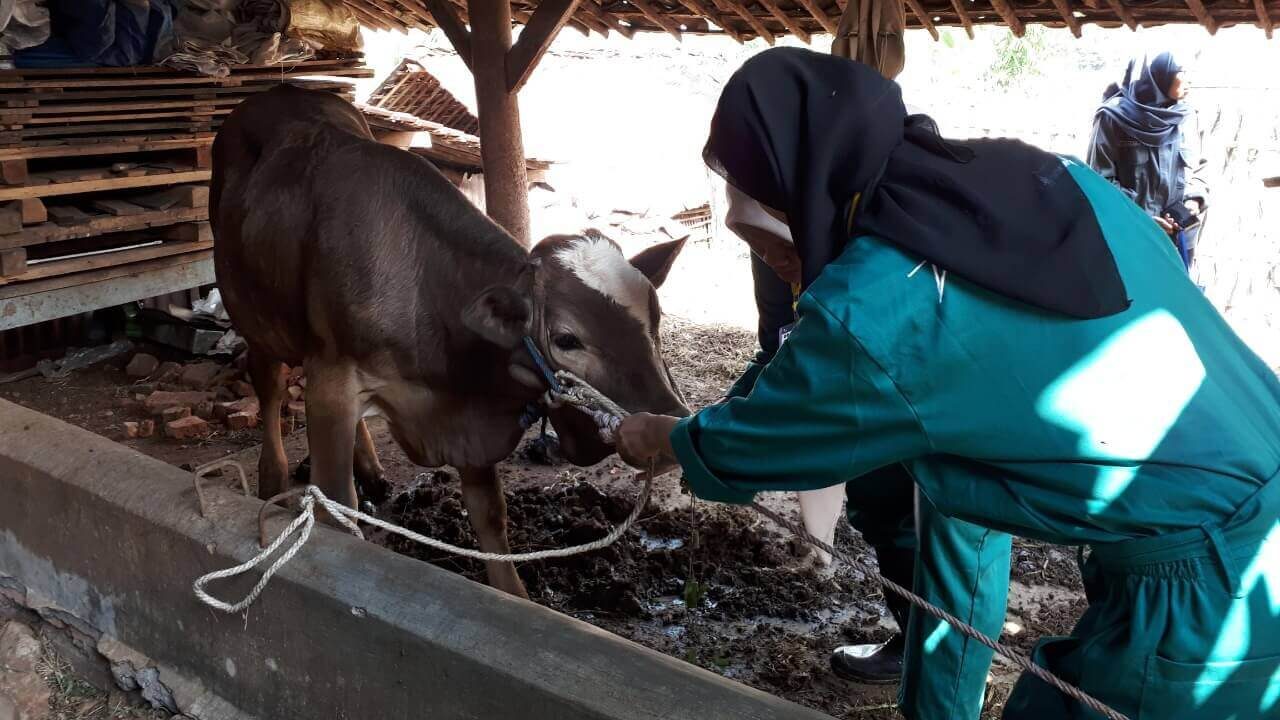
[{"x": 110, "y": 540}]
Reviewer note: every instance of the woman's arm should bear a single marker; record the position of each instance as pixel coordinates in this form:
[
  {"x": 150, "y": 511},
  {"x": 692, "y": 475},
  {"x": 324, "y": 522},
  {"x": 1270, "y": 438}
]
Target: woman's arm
[
  {"x": 1102, "y": 154},
  {"x": 822, "y": 412}
]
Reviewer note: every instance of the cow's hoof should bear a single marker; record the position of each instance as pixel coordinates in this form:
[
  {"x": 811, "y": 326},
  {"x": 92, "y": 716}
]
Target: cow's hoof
[
  {"x": 543, "y": 450},
  {"x": 375, "y": 489},
  {"x": 367, "y": 508},
  {"x": 302, "y": 476}
]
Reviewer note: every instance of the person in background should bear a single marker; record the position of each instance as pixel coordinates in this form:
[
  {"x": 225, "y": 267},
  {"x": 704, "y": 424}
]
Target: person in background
[
  {"x": 1146, "y": 141},
  {"x": 881, "y": 508},
  {"x": 1034, "y": 353}
]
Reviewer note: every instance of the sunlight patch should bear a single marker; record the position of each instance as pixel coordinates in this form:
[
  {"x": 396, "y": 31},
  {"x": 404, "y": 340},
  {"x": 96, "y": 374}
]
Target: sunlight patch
[
  {"x": 1232, "y": 644},
  {"x": 1124, "y": 397},
  {"x": 936, "y": 637}
]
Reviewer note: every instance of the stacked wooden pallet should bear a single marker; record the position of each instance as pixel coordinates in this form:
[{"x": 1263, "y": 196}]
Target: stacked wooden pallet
[{"x": 101, "y": 167}]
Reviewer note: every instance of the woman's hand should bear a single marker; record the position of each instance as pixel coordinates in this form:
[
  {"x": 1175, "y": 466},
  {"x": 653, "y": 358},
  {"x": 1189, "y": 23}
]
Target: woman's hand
[
  {"x": 643, "y": 438},
  {"x": 1168, "y": 226}
]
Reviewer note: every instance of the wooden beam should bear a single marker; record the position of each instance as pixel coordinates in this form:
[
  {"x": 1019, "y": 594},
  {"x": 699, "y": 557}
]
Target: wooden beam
[
  {"x": 657, "y": 17},
  {"x": 1010, "y": 16},
  {"x": 963, "y": 14},
  {"x": 506, "y": 188},
  {"x": 535, "y": 38},
  {"x": 447, "y": 20},
  {"x": 389, "y": 15},
  {"x": 1202, "y": 14},
  {"x": 591, "y": 8},
  {"x": 786, "y": 20},
  {"x": 923, "y": 17},
  {"x": 1264, "y": 19},
  {"x": 752, "y": 21},
  {"x": 1122, "y": 11},
  {"x": 1064, "y": 9},
  {"x": 701, "y": 9},
  {"x": 366, "y": 17},
  {"x": 823, "y": 19}
]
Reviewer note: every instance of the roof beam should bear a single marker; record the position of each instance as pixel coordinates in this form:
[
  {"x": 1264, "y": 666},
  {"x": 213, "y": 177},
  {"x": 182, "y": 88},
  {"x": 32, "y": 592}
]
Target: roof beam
[
  {"x": 786, "y": 20},
  {"x": 698, "y": 7},
  {"x": 751, "y": 20},
  {"x": 591, "y": 8},
  {"x": 1264, "y": 19},
  {"x": 535, "y": 38},
  {"x": 447, "y": 20},
  {"x": 1123, "y": 12},
  {"x": 1010, "y": 16},
  {"x": 369, "y": 18},
  {"x": 823, "y": 19},
  {"x": 391, "y": 14},
  {"x": 1202, "y": 14},
  {"x": 965, "y": 20},
  {"x": 1068, "y": 16},
  {"x": 923, "y": 17},
  {"x": 657, "y": 18}
]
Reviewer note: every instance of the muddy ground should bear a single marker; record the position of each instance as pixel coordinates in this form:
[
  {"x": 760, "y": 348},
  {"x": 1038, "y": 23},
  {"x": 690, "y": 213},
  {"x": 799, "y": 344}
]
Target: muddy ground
[{"x": 712, "y": 585}]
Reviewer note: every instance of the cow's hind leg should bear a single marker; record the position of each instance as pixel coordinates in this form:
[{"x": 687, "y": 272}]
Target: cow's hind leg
[
  {"x": 332, "y": 412},
  {"x": 487, "y": 508},
  {"x": 371, "y": 482},
  {"x": 269, "y": 383}
]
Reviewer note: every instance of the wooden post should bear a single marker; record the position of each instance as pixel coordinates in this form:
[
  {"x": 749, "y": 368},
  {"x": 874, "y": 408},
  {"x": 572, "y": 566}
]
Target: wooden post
[{"x": 506, "y": 189}]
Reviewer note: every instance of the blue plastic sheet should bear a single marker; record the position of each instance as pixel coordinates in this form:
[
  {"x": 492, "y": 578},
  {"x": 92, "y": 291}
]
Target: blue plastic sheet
[{"x": 104, "y": 32}]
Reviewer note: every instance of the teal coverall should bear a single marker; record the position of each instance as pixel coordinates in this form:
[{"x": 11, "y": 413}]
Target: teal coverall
[{"x": 1151, "y": 436}]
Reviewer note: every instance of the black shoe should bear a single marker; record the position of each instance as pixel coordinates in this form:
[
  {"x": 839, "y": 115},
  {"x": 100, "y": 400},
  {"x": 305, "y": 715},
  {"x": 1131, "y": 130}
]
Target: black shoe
[{"x": 874, "y": 664}]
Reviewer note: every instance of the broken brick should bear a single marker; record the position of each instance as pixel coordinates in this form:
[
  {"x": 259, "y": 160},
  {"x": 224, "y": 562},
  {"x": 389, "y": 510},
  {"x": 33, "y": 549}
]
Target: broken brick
[
  {"x": 187, "y": 428},
  {"x": 242, "y": 389},
  {"x": 176, "y": 412},
  {"x": 168, "y": 372},
  {"x": 243, "y": 405},
  {"x": 160, "y": 400},
  {"x": 242, "y": 421},
  {"x": 297, "y": 409},
  {"x": 146, "y": 428},
  {"x": 142, "y": 365},
  {"x": 131, "y": 429},
  {"x": 204, "y": 410},
  {"x": 199, "y": 376}
]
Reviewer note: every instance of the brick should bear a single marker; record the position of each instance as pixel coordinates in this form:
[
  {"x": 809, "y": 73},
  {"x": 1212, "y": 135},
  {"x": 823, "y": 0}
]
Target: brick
[
  {"x": 160, "y": 400},
  {"x": 199, "y": 376},
  {"x": 187, "y": 428},
  {"x": 242, "y": 421},
  {"x": 243, "y": 405},
  {"x": 297, "y": 409},
  {"x": 204, "y": 410},
  {"x": 142, "y": 365},
  {"x": 146, "y": 428},
  {"x": 295, "y": 392},
  {"x": 177, "y": 412},
  {"x": 131, "y": 430},
  {"x": 168, "y": 372},
  {"x": 242, "y": 389}
]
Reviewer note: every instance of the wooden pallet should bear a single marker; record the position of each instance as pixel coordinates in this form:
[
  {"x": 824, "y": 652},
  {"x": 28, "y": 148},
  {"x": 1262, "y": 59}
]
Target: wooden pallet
[{"x": 20, "y": 265}]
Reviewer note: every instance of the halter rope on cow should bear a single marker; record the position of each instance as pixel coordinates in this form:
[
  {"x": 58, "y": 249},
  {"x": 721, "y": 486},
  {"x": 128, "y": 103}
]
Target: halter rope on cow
[{"x": 572, "y": 390}]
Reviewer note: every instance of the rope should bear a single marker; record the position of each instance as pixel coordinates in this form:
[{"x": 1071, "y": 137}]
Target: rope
[{"x": 1021, "y": 662}]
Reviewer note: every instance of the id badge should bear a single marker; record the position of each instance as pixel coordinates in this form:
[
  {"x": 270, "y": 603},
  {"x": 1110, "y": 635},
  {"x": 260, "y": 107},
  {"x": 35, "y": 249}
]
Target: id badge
[{"x": 784, "y": 332}]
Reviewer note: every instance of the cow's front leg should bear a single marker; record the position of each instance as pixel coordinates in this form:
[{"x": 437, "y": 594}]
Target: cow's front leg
[
  {"x": 482, "y": 493},
  {"x": 332, "y": 412},
  {"x": 371, "y": 479}
]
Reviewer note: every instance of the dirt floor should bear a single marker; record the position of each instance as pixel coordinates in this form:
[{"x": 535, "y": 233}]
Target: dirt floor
[{"x": 710, "y": 584}]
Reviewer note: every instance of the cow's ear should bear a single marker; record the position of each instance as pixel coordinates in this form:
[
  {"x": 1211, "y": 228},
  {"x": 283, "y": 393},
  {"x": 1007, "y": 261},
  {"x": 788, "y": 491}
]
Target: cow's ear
[
  {"x": 656, "y": 262},
  {"x": 500, "y": 315}
]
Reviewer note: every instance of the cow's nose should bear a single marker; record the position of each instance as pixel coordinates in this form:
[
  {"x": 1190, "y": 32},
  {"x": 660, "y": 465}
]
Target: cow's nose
[{"x": 679, "y": 411}]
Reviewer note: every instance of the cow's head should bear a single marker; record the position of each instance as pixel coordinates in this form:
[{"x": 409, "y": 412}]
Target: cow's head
[{"x": 594, "y": 313}]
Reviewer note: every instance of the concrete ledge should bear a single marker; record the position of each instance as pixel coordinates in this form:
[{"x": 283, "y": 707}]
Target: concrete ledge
[{"x": 110, "y": 540}]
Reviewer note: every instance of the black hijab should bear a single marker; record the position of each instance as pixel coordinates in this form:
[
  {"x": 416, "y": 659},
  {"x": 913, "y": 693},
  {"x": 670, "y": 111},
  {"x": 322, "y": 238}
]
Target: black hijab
[
  {"x": 1140, "y": 105},
  {"x": 804, "y": 132}
]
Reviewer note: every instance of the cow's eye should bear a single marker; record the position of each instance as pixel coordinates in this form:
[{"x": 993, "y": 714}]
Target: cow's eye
[{"x": 567, "y": 341}]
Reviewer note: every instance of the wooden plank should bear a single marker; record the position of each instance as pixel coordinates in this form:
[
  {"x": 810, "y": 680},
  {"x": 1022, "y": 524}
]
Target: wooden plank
[
  {"x": 96, "y": 262},
  {"x": 68, "y": 131},
  {"x": 591, "y": 8},
  {"x": 657, "y": 18},
  {"x": 76, "y": 225},
  {"x": 1264, "y": 18},
  {"x": 785, "y": 19},
  {"x": 1068, "y": 15},
  {"x": 1010, "y": 16},
  {"x": 923, "y": 17},
  {"x": 752, "y": 21},
  {"x": 446, "y": 18},
  {"x": 190, "y": 232},
  {"x": 1271, "y": 182},
  {"x": 31, "y": 210},
  {"x": 84, "y": 186},
  {"x": 13, "y": 262},
  {"x": 63, "y": 108},
  {"x": 963, "y": 14},
  {"x": 826, "y": 21},
  {"x": 111, "y": 147},
  {"x": 10, "y": 218},
  {"x": 185, "y": 79},
  {"x": 1122, "y": 11},
  {"x": 135, "y": 70},
  {"x": 13, "y": 172},
  {"x": 700, "y": 8},
  {"x": 535, "y": 38},
  {"x": 19, "y": 290},
  {"x": 1202, "y": 14},
  {"x": 118, "y": 207},
  {"x": 197, "y": 113},
  {"x": 188, "y": 196}
]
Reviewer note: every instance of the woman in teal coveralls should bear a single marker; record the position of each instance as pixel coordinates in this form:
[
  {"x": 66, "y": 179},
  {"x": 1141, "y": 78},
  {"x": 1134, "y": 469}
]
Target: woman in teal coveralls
[{"x": 1023, "y": 338}]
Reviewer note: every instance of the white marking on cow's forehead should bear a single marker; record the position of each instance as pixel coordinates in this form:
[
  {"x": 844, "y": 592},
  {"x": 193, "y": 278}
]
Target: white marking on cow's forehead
[{"x": 600, "y": 265}]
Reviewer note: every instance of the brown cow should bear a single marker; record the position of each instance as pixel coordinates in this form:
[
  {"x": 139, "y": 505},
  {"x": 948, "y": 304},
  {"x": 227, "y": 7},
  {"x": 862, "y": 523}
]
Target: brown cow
[{"x": 366, "y": 265}]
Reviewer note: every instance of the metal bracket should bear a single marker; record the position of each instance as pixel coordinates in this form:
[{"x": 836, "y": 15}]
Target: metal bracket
[{"x": 207, "y": 468}]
